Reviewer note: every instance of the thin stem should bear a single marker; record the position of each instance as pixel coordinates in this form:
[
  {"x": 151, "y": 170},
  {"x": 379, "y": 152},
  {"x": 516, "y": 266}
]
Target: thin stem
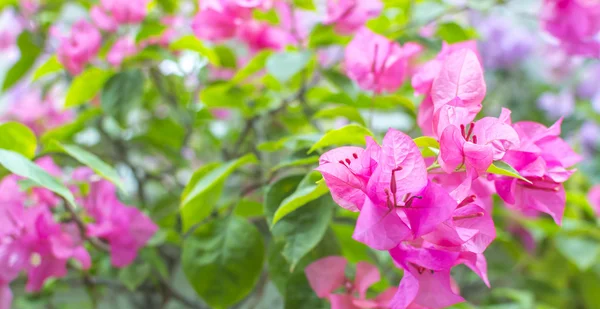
[{"x": 81, "y": 225}]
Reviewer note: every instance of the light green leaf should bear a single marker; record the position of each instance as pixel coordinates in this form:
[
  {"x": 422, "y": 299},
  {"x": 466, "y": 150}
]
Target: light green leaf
[
  {"x": 150, "y": 28},
  {"x": 209, "y": 183},
  {"x": 19, "y": 165},
  {"x": 297, "y": 162},
  {"x": 325, "y": 35},
  {"x": 85, "y": 86},
  {"x": 394, "y": 101},
  {"x": 349, "y": 112},
  {"x": 581, "y": 251},
  {"x": 309, "y": 190},
  {"x": 350, "y": 134},
  {"x": 247, "y": 208},
  {"x": 170, "y": 6},
  {"x": 503, "y": 168},
  {"x": 227, "y": 58},
  {"x": 452, "y": 32},
  {"x": 223, "y": 261},
  {"x": 224, "y": 95},
  {"x": 30, "y": 50},
  {"x": 253, "y": 66},
  {"x": 52, "y": 65},
  {"x": 92, "y": 161},
  {"x": 18, "y": 138},
  {"x": 284, "y": 65},
  {"x": 428, "y": 145},
  {"x": 305, "y": 4},
  {"x": 192, "y": 43}
]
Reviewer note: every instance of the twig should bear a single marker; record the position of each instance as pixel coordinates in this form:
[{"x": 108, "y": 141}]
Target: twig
[
  {"x": 81, "y": 225},
  {"x": 178, "y": 296}
]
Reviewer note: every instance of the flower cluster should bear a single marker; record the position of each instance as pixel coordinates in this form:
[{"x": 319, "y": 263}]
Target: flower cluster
[
  {"x": 35, "y": 241},
  {"x": 327, "y": 276},
  {"x": 575, "y": 23},
  {"x": 433, "y": 213}
]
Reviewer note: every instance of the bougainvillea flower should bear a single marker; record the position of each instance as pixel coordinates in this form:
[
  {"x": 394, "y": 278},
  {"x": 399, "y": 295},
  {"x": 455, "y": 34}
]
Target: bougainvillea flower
[
  {"x": 426, "y": 281},
  {"x": 326, "y": 276},
  {"x": 543, "y": 158},
  {"x": 398, "y": 191},
  {"x": 216, "y": 26},
  {"x": 123, "y": 48},
  {"x": 5, "y": 296},
  {"x": 377, "y": 63},
  {"x": 346, "y": 171},
  {"x": 126, "y": 11},
  {"x": 37, "y": 113},
  {"x": 103, "y": 20},
  {"x": 576, "y": 23},
  {"x": 126, "y": 229},
  {"x": 260, "y": 35},
  {"x": 80, "y": 47},
  {"x": 350, "y": 15},
  {"x": 49, "y": 248},
  {"x": 594, "y": 199},
  {"x": 475, "y": 146}
]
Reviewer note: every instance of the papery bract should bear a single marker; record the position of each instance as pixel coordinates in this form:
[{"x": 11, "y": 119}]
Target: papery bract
[
  {"x": 350, "y": 15},
  {"x": 80, "y": 47},
  {"x": 123, "y": 48},
  {"x": 103, "y": 20},
  {"x": 126, "y": 11},
  {"x": 594, "y": 199},
  {"x": 377, "y": 63}
]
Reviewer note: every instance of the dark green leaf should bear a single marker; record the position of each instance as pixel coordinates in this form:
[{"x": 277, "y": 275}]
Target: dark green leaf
[
  {"x": 223, "y": 261},
  {"x": 150, "y": 28},
  {"x": 134, "y": 275},
  {"x": 122, "y": 92},
  {"x": 253, "y": 66}
]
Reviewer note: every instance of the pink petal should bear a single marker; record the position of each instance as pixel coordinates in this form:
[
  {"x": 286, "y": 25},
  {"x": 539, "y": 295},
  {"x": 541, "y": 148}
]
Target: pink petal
[
  {"x": 477, "y": 263},
  {"x": 366, "y": 275},
  {"x": 341, "y": 301},
  {"x": 5, "y": 296},
  {"x": 379, "y": 228},
  {"x": 451, "y": 149},
  {"x": 461, "y": 76},
  {"x": 326, "y": 275},
  {"x": 433, "y": 208},
  {"x": 398, "y": 150}
]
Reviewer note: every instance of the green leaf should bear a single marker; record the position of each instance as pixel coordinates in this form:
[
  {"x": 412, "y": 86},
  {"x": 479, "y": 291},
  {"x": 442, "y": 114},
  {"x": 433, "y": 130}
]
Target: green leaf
[
  {"x": 122, "y": 92},
  {"x": 305, "y": 4},
  {"x": 19, "y": 165},
  {"x": 298, "y": 162},
  {"x": 277, "y": 192},
  {"x": 209, "y": 182},
  {"x": 247, "y": 208},
  {"x": 394, "y": 101},
  {"x": 504, "y": 169},
  {"x": 29, "y": 53},
  {"x": 18, "y": 138},
  {"x": 303, "y": 229},
  {"x": 226, "y": 56},
  {"x": 85, "y": 86},
  {"x": 150, "y": 28},
  {"x": 253, "y": 66},
  {"x": 134, "y": 275},
  {"x": 284, "y": 65},
  {"x": 350, "y": 134},
  {"x": 223, "y": 261},
  {"x": 192, "y": 43},
  {"x": 581, "y": 251},
  {"x": 452, "y": 32},
  {"x": 92, "y": 161},
  {"x": 309, "y": 190},
  {"x": 428, "y": 145},
  {"x": 349, "y": 112},
  {"x": 353, "y": 250},
  {"x": 52, "y": 65},
  {"x": 67, "y": 131},
  {"x": 170, "y": 6},
  {"x": 325, "y": 35},
  {"x": 224, "y": 95}
]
